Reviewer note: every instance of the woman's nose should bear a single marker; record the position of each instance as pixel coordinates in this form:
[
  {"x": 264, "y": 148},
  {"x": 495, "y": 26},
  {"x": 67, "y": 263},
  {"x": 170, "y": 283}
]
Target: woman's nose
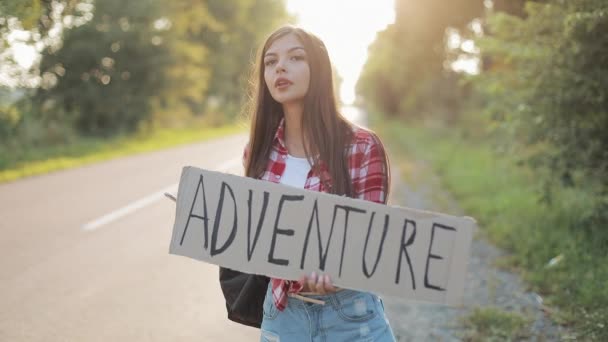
[{"x": 280, "y": 66}]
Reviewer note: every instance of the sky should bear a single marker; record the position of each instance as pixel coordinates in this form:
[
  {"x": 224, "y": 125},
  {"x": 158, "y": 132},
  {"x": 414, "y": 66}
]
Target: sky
[{"x": 347, "y": 28}]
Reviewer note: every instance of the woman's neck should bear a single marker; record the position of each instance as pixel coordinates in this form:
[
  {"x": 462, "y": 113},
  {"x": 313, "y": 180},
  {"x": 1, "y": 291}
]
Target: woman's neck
[{"x": 293, "y": 129}]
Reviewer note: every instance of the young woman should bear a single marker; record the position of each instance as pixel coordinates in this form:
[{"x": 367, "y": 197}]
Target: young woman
[{"x": 299, "y": 138}]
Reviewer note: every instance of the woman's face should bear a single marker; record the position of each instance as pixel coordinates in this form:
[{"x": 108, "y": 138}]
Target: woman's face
[{"x": 286, "y": 70}]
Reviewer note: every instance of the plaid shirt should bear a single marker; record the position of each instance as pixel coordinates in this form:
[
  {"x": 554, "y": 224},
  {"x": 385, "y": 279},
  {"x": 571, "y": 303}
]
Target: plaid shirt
[{"x": 368, "y": 173}]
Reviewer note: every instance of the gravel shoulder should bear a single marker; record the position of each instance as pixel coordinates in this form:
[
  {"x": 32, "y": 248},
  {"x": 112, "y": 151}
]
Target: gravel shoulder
[{"x": 487, "y": 286}]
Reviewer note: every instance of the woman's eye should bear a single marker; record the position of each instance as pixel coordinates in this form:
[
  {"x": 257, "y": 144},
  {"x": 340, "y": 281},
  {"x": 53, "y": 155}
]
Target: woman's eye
[
  {"x": 297, "y": 58},
  {"x": 269, "y": 62}
]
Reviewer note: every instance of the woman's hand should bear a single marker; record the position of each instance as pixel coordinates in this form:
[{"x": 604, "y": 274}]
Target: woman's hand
[{"x": 320, "y": 283}]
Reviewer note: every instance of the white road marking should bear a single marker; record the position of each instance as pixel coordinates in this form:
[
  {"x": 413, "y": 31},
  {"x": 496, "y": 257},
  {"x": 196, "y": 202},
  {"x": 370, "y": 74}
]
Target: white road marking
[{"x": 143, "y": 202}]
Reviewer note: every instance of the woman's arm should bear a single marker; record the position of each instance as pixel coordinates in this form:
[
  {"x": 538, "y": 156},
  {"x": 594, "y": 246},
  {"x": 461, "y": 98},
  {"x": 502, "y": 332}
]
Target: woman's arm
[{"x": 372, "y": 176}]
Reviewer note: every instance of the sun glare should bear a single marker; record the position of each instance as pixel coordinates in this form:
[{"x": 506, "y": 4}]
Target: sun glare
[
  {"x": 24, "y": 55},
  {"x": 347, "y": 28}
]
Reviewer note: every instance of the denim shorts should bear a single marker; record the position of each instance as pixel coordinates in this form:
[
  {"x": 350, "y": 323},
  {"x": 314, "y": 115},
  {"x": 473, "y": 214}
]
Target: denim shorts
[{"x": 347, "y": 315}]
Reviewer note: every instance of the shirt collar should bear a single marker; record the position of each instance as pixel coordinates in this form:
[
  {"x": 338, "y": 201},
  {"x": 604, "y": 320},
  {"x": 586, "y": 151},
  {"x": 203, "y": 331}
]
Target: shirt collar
[{"x": 279, "y": 136}]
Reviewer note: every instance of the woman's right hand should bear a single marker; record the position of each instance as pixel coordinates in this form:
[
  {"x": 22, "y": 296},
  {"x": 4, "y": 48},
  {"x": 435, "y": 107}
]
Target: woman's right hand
[{"x": 319, "y": 283}]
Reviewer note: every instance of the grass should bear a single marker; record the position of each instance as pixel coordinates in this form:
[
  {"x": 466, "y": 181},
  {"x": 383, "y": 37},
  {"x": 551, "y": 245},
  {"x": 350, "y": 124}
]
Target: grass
[
  {"x": 504, "y": 198},
  {"x": 493, "y": 324},
  {"x": 86, "y": 150}
]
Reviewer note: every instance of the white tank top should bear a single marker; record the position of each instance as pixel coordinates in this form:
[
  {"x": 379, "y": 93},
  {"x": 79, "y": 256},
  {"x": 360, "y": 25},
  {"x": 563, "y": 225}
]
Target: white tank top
[{"x": 296, "y": 171}]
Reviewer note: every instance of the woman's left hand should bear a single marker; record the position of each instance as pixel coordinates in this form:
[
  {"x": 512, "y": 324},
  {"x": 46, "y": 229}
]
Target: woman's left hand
[{"x": 320, "y": 283}]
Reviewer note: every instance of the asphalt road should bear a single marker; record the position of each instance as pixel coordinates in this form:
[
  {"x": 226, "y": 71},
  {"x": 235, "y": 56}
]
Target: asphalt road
[{"x": 84, "y": 254}]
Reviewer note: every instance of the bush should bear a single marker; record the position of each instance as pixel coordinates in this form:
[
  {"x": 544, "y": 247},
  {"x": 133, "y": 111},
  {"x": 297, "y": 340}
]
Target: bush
[{"x": 544, "y": 86}]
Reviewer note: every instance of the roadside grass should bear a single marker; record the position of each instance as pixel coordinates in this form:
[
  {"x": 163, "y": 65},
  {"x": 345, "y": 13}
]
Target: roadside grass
[
  {"x": 568, "y": 268},
  {"x": 494, "y": 324},
  {"x": 16, "y": 163}
]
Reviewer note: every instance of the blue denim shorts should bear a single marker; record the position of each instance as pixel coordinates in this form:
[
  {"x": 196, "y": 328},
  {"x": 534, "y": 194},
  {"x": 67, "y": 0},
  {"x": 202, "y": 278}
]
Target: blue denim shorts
[{"x": 346, "y": 316}]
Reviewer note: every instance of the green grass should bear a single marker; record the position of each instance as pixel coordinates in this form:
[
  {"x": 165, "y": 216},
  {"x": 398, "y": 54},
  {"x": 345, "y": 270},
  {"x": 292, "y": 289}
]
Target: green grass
[
  {"x": 504, "y": 198},
  {"x": 86, "y": 150},
  {"x": 493, "y": 324}
]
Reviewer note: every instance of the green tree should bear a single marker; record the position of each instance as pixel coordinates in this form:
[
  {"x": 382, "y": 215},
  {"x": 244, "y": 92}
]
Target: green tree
[
  {"x": 405, "y": 73},
  {"x": 547, "y": 86},
  {"x": 28, "y": 12},
  {"x": 37, "y": 18},
  {"x": 106, "y": 71},
  {"x": 511, "y": 7},
  {"x": 244, "y": 25},
  {"x": 188, "y": 76},
  {"x": 213, "y": 43}
]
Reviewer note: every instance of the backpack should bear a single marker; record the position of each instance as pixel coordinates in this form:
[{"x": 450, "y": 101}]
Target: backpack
[{"x": 244, "y": 294}]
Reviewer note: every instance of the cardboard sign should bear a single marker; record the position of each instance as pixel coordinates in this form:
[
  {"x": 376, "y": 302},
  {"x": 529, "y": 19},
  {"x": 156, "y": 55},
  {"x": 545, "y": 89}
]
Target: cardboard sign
[{"x": 283, "y": 232}]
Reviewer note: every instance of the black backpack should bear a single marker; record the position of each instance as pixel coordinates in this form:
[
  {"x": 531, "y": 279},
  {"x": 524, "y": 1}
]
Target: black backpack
[{"x": 244, "y": 294}]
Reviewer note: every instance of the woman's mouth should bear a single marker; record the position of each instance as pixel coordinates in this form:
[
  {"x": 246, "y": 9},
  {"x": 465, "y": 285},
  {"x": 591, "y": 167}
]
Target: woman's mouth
[{"x": 282, "y": 83}]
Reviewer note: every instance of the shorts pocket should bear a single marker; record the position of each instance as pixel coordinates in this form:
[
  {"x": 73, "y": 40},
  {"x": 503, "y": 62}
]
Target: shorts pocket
[
  {"x": 358, "y": 308},
  {"x": 267, "y": 336}
]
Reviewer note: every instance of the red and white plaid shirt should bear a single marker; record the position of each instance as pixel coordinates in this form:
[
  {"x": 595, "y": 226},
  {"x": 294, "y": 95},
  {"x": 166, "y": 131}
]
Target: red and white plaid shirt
[{"x": 368, "y": 173}]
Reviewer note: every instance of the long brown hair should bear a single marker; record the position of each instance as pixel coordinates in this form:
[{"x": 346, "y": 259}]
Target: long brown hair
[{"x": 327, "y": 132}]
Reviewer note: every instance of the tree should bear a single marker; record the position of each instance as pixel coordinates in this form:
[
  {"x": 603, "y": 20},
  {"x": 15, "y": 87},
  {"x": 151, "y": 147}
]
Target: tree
[
  {"x": 36, "y": 18},
  {"x": 105, "y": 72},
  {"x": 28, "y": 12},
  {"x": 548, "y": 84},
  {"x": 149, "y": 61},
  {"x": 214, "y": 43},
  {"x": 405, "y": 74},
  {"x": 244, "y": 25}
]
